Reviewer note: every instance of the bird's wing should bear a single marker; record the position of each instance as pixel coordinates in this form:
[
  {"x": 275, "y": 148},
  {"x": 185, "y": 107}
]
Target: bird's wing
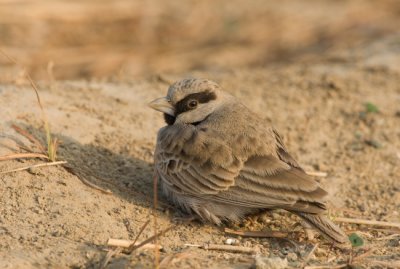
[
  {"x": 197, "y": 163},
  {"x": 276, "y": 180},
  {"x": 193, "y": 164}
]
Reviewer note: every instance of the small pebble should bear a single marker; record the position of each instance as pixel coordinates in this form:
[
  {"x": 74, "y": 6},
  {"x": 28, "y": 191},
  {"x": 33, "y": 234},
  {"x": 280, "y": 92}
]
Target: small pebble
[
  {"x": 35, "y": 171},
  {"x": 231, "y": 241}
]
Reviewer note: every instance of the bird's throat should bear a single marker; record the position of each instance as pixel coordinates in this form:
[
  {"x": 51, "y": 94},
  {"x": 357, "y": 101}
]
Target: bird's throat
[{"x": 169, "y": 119}]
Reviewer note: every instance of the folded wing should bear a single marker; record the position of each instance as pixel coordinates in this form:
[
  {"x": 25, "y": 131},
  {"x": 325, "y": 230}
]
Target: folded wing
[{"x": 198, "y": 166}]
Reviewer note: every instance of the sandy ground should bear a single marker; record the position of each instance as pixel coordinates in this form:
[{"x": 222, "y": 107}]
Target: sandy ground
[
  {"x": 49, "y": 218},
  {"x": 93, "y": 38}
]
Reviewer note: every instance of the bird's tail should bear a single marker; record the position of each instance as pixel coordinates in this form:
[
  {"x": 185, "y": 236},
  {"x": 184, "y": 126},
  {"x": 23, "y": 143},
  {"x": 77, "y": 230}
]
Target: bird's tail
[{"x": 326, "y": 227}]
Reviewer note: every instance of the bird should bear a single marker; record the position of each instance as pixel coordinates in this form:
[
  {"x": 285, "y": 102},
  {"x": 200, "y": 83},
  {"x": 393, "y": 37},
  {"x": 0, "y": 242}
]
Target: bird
[{"x": 217, "y": 159}]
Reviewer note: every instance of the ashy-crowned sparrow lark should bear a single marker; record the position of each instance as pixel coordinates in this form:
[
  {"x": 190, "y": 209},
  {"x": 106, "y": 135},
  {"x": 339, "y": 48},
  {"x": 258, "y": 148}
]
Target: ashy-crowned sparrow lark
[{"x": 221, "y": 161}]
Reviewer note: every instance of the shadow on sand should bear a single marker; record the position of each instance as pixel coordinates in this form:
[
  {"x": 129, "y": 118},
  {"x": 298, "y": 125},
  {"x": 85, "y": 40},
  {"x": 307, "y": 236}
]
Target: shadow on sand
[{"x": 125, "y": 176}]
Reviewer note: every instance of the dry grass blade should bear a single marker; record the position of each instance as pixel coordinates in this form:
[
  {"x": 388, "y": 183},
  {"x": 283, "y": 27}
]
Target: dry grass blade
[
  {"x": 364, "y": 255},
  {"x": 21, "y": 145},
  {"x": 152, "y": 238},
  {"x": 86, "y": 182},
  {"x": 93, "y": 186},
  {"x": 121, "y": 244},
  {"x": 22, "y": 156},
  {"x": 155, "y": 204},
  {"x": 336, "y": 266},
  {"x": 8, "y": 57},
  {"x": 229, "y": 248},
  {"x": 392, "y": 230},
  {"x": 260, "y": 234},
  {"x": 127, "y": 243},
  {"x": 386, "y": 264},
  {"x": 29, "y": 137},
  {"x": 306, "y": 258},
  {"x": 137, "y": 236},
  {"x": 50, "y": 146},
  {"x": 166, "y": 262},
  {"x": 33, "y": 166},
  {"x": 109, "y": 255},
  {"x": 51, "y": 151},
  {"x": 369, "y": 222},
  {"x": 389, "y": 237}
]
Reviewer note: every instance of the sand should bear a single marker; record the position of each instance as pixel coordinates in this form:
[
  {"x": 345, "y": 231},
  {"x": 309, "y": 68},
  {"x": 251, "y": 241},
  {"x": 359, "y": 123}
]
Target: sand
[{"x": 50, "y": 219}]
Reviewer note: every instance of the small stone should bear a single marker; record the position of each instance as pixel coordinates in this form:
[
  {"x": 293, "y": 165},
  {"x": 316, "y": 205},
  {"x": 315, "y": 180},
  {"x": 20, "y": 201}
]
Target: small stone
[
  {"x": 373, "y": 143},
  {"x": 35, "y": 171},
  {"x": 231, "y": 241}
]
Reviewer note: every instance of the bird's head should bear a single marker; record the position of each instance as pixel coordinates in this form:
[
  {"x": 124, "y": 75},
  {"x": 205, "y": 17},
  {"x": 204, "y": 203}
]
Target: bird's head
[{"x": 189, "y": 101}]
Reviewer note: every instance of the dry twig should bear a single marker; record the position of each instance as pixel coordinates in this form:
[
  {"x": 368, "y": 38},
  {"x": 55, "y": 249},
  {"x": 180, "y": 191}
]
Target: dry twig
[
  {"x": 392, "y": 230},
  {"x": 109, "y": 255},
  {"x": 224, "y": 248},
  {"x": 367, "y": 253},
  {"x": 19, "y": 143},
  {"x": 22, "y": 155},
  {"x": 317, "y": 173},
  {"x": 389, "y": 237},
  {"x": 86, "y": 182},
  {"x": 336, "y": 266},
  {"x": 152, "y": 238},
  {"x": 137, "y": 236},
  {"x": 30, "y": 137},
  {"x": 33, "y": 166},
  {"x": 229, "y": 248},
  {"x": 126, "y": 244},
  {"x": 90, "y": 184},
  {"x": 122, "y": 243},
  {"x": 368, "y": 222},
  {"x": 308, "y": 256},
  {"x": 386, "y": 264},
  {"x": 155, "y": 200}
]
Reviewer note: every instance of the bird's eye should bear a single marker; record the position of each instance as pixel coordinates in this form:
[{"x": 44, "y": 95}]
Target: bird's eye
[{"x": 192, "y": 104}]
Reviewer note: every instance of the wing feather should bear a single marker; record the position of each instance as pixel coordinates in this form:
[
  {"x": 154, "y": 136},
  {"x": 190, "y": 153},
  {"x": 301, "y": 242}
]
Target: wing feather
[
  {"x": 201, "y": 165},
  {"x": 272, "y": 172},
  {"x": 193, "y": 164}
]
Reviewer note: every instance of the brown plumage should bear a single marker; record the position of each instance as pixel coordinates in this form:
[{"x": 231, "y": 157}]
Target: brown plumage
[{"x": 219, "y": 160}]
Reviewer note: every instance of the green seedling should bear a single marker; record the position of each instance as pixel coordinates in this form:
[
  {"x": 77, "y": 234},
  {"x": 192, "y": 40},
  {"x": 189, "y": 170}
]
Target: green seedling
[
  {"x": 356, "y": 240},
  {"x": 371, "y": 108}
]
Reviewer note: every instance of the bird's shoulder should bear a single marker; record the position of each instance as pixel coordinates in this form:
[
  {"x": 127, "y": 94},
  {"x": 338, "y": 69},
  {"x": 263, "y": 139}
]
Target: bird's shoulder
[
  {"x": 244, "y": 131},
  {"x": 233, "y": 131}
]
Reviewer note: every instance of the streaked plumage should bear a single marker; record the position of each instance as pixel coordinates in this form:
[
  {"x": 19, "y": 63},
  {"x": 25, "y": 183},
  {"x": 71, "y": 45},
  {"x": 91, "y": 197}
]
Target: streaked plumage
[{"x": 219, "y": 160}]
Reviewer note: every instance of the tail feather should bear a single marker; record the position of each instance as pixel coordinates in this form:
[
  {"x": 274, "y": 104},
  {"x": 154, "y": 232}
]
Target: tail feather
[{"x": 326, "y": 227}]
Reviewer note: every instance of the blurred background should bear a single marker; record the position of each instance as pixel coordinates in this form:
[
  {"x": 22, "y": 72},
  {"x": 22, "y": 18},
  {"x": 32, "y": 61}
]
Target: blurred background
[{"x": 75, "y": 39}]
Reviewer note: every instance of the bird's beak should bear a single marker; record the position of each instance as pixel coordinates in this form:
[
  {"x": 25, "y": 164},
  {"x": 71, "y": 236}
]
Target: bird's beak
[{"x": 162, "y": 104}]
